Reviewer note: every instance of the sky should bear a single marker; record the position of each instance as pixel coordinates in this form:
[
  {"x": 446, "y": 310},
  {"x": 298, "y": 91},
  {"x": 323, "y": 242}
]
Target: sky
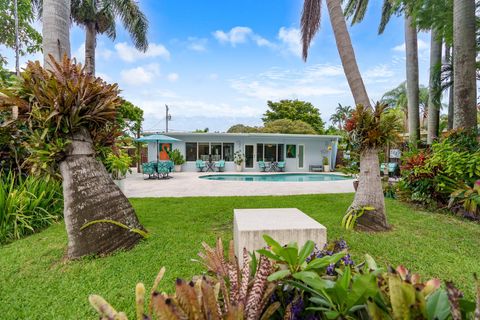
[{"x": 216, "y": 63}]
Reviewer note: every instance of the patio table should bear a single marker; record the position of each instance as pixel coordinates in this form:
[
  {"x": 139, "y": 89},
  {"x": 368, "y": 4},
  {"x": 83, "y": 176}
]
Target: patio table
[
  {"x": 210, "y": 166},
  {"x": 273, "y": 166}
]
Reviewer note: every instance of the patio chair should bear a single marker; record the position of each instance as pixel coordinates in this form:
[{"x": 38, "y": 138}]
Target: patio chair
[
  {"x": 263, "y": 167},
  {"x": 281, "y": 166},
  {"x": 392, "y": 167},
  {"x": 164, "y": 168},
  {"x": 200, "y": 164},
  {"x": 149, "y": 168},
  {"x": 220, "y": 165}
]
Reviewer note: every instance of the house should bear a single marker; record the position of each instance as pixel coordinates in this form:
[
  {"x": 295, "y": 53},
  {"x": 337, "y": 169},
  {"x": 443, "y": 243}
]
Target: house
[{"x": 299, "y": 151}]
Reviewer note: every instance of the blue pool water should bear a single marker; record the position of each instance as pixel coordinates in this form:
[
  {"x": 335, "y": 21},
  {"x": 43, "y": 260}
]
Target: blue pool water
[{"x": 285, "y": 177}]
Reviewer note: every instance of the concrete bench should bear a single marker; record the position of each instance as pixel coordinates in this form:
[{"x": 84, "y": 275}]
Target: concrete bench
[{"x": 283, "y": 225}]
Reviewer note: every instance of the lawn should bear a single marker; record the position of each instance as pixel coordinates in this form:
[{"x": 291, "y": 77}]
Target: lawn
[{"x": 36, "y": 284}]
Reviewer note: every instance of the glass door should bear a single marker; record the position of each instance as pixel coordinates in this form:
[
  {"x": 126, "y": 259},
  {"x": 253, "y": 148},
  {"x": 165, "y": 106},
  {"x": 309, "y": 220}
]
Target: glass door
[
  {"x": 249, "y": 156},
  {"x": 301, "y": 155}
]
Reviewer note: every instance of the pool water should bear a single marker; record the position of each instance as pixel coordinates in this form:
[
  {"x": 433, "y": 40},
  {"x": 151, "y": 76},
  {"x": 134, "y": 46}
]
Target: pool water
[{"x": 286, "y": 177}]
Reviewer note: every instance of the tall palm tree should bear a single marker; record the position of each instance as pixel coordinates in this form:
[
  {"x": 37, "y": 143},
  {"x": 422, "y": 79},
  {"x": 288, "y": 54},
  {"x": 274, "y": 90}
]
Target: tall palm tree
[
  {"x": 369, "y": 192},
  {"x": 55, "y": 30},
  {"x": 464, "y": 54},
  {"x": 434, "y": 88},
  {"x": 341, "y": 114}
]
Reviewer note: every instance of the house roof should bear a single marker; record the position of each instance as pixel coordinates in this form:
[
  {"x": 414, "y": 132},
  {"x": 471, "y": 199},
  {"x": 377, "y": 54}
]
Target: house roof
[{"x": 254, "y": 134}]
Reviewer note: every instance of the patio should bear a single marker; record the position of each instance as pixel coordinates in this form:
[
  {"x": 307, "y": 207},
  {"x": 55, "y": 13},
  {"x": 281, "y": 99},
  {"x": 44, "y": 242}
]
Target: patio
[{"x": 187, "y": 184}]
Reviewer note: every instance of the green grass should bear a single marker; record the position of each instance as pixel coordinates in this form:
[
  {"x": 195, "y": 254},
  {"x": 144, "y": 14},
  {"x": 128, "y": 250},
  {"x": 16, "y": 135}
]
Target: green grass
[{"x": 36, "y": 284}]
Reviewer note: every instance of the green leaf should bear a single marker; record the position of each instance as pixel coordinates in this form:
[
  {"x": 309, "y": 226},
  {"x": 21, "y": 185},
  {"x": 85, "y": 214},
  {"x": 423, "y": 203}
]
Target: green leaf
[
  {"x": 274, "y": 245},
  {"x": 269, "y": 255},
  {"x": 438, "y": 307},
  {"x": 306, "y": 251},
  {"x": 278, "y": 275},
  {"x": 372, "y": 265},
  {"x": 344, "y": 281},
  {"x": 323, "y": 262},
  {"x": 290, "y": 255}
]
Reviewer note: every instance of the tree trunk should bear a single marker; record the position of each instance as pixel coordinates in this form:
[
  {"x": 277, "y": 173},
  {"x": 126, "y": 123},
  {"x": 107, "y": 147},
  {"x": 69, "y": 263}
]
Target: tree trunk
[
  {"x": 434, "y": 90},
  {"x": 464, "y": 81},
  {"x": 412, "y": 80},
  {"x": 90, "y": 194},
  {"x": 90, "y": 44},
  {"x": 369, "y": 180},
  {"x": 55, "y": 30},
  {"x": 370, "y": 193},
  {"x": 448, "y": 60}
]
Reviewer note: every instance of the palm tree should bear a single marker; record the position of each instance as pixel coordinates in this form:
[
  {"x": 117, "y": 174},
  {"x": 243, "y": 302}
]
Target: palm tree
[
  {"x": 434, "y": 88},
  {"x": 340, "y": 115},
  {"x": 464, "y": 42},
  {"x": 55, "y": 29},
  {"x": 369, "y": 192}
]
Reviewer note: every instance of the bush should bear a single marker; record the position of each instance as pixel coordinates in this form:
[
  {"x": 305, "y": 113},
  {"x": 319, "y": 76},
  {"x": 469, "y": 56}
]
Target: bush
[
  {"x": 177, "y": 157},
  {"x": 27, "y": 205},
  {"x": 118, "y": 164}
]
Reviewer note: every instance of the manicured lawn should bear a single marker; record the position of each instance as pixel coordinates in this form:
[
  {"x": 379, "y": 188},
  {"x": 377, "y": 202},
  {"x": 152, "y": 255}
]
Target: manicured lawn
[{"x": 36, "y": 284}]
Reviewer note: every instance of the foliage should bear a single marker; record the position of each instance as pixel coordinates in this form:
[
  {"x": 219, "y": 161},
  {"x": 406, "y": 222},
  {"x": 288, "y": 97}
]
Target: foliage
[
  {"x": 176, "y": 156},
  {"x": 469, "y": 198},
  {"x": 342, "y": 113},
  {"x": 29, "y": 39},
  {"x": 58, "y": 103},
  {"x": 238, "y": 157},
  {"x": 325, "y": 161},
  {"x": 201, "y": 130},
  {"x": 27, "y": 204},
  {"x": 350, "y": 218},
  {"x": 288, "y": 126},
  {"x": 129, "y": 118},
  {"x": 118, "y": 164},
  {"x": 241, "y": 128},
  {"x": 294, "y": 110},
  {"x": 369, "y": 129}
]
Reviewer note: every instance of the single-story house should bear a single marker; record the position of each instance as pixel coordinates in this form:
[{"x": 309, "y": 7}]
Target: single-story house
[{"x": 298, "y": 151}]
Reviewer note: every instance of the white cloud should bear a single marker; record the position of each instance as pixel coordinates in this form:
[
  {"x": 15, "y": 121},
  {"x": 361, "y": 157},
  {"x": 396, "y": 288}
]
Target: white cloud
[
  {"x": 105, "y": 77},
  {"x": 422, "y": 45},
  {"x": 172, "y": 77},
  {"x": 291, "y": 40},
  {"x": 235, "y": 36},
  {"x": 379, "y": 71},
  {"x": 213, "y": 76},
  {"x": 197, "y": 44},
  {"x": 100, "y": 52},
  {"x": 130, "y": 54},
  {"x": 140, "y": 75}
]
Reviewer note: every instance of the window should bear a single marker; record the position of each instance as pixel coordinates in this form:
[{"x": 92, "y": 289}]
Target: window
[
  {"x": 260, "y": 152},
  {"x": 280, "y": 152},
  {"x": 191, "y": 148},
  {"x": 270, "y": 152},
  {"x": 228, "y": 151},
  {"x": 216, "y": 151},
  {"x": 203, "y": 150}
]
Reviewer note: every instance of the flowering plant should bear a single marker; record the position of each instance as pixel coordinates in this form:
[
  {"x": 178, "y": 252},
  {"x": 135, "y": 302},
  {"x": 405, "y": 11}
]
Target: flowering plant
[{"x": 238, "y": 157}]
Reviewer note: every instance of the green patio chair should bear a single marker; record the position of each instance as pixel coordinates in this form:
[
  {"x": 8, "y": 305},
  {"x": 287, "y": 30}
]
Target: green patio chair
[
  {"x": 393, "y": 168},
  {"x": 281, "y": 165},
  {"x": 200, "y": 164},
  {"x": 220, "y": 165},
  {"x": 262, "y": 166},
  {"x": 164, "y": 168},
  {"x": 149, "y": 168}
]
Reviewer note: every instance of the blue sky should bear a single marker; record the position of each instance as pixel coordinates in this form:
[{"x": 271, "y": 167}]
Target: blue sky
[{"x": 216, "y": 63}]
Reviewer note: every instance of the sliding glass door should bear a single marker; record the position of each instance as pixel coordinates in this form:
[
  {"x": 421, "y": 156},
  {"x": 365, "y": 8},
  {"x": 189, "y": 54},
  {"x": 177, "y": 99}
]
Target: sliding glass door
[{"x": 249, "y": 156}]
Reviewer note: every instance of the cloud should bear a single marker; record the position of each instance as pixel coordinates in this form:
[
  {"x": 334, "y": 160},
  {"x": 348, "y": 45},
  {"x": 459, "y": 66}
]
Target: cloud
[
  {"x": 100, "y": 53},
  {"x": 140, "y": 75},
  {"x": 197, "y": 44},
  {"x": 422, "y": 45},
  {"x": 172, "y": 77},
  {"x": 233, "y": 37},
  {"x": 105, "y": 77},
  {"x": 130, "y": 54},
  {"x": 379, "y": 71},
  {"x": 291, "y": 40}
]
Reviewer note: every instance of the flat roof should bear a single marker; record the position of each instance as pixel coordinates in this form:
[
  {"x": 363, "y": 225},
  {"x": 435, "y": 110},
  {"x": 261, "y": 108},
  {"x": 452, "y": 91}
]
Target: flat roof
[{"x": 253, "y": 134}]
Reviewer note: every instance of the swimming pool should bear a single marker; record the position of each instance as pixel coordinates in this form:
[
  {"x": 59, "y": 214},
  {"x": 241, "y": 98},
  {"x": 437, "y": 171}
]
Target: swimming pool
[{"x": 285, "y": 177}]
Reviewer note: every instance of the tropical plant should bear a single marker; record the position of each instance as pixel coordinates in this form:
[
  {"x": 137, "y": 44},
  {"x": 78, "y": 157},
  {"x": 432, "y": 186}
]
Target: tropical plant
[
  {"x": 27, "y": 204},
  {"x": 118, "y": 164},
  {"x": 177, "y": 157},
  {"x": 349, "y": 220},
  {"x": 241, "y": 128},
  {"x": 288, "y": 126},
  {"x": 238, "y": 157},
  {"x": 469, "y": 198},
  {"x": 325, "y": 161},
  {"x": 65, "y": 108},
  {"x": 342, "y": 113}
]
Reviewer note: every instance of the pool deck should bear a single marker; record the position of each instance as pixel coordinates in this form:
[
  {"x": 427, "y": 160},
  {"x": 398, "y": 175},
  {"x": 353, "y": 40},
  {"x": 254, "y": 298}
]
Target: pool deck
[{"x": 188, "y": 184}]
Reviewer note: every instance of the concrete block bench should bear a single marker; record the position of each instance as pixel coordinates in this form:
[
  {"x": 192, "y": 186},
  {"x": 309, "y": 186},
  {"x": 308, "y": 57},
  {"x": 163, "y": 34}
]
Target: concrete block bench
[{"x": 283, "y": 225}]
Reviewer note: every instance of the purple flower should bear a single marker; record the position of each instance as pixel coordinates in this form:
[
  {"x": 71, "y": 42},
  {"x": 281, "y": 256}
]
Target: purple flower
[
  {"x": 347, "y": 260},
  {"x": 297, "y": 309},
  {"x": 331, "y": 269}
]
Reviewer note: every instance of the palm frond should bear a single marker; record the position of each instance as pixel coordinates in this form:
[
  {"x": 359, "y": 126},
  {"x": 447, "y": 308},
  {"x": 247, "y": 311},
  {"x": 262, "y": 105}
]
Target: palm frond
[
  {"x": 134, "y": 21},
  {"x": 310, "y": 22},
  {"x": 387, "y": 11}
]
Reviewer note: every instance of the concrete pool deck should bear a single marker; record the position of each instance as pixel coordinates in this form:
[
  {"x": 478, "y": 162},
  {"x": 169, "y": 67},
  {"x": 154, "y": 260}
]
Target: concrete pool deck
[{"x": 188, "y": 184}]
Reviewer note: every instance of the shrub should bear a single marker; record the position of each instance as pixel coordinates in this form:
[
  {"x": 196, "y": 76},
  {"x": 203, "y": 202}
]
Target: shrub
[
  {"x": 176, "y": 156},
  {"x": 27, "y": 205},
  {"x": 118, "y": 164}
]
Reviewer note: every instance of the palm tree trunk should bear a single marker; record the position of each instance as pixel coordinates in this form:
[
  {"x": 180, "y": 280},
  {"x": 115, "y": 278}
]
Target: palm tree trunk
[
  {"x": 369, "y": 192},
  {"x": 434, "y": 90},
  {"x": 55, "y": 30},
  {"x": 89, "y": 195},
  {"x": 412, "y": 80},
  {"x": 464, "y": 82},
  {"x": 90, "y": 44},
  {"x": 448, "y": 60}
]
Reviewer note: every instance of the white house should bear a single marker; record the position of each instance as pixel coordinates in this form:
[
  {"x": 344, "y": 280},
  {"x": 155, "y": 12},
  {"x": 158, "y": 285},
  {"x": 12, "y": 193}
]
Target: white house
[{"x": 299, "y": 151}]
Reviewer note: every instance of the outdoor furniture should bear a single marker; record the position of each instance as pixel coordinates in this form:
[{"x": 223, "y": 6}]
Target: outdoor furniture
[
  {"x": 281, "y": 165},
  {"x": 149, "y": 168},
  {"x": 392, "y": 167},
  {"x": 200, "y": 164},
  {"x": 210, "y": 166},
  {"x": 273, "y": 166},
  {"x": 315, "y": 167},
  {"x": 164, "y": 168},
  {"x": 220, "y": 165},
  {"x": 262, "y": 165}
]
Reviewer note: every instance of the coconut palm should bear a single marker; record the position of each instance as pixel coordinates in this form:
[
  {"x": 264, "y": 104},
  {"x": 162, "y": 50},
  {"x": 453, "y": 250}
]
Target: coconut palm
[
  {"x": 99, "y": 17},
  {"x": 340, "y": 115},
  {"x": 369, "y": 192},
  {"x": 464, "y": 41},
  {"x": 434, "y": 87},
  {"x": 55, "y": 29}
]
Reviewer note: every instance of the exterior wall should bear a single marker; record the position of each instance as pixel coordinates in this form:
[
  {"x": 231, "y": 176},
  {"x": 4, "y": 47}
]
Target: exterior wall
[{"x": 315, "y": 148}]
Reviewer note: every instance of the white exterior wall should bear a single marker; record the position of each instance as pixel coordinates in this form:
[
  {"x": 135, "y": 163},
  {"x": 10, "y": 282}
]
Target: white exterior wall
[{"x": 316, "y": 148}]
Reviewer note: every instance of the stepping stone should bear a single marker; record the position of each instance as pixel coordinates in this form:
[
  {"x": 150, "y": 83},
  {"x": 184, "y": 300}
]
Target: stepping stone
[{"x": 283, "y": 225}]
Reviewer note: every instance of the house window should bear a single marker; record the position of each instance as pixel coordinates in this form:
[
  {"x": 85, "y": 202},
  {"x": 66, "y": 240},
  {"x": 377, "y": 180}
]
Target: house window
[
  {"x": 270, "y": 152},
  {"x": 228, "y": 151},
  {"x": 216, "y": 151},
  {"x": 260, "y": 152},
  {"x": 280, "y": 152},
  {"x": 191, "y": 148},
  {"x": 203, "y": 150}
]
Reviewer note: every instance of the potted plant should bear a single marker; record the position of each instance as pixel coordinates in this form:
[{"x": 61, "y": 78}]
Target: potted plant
[
  {"x": 118, "y": 165},
  {"x": 238, "y": 158},
  {"x": 326, "y": 165},
  {"x": 177, "y": 158}
]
